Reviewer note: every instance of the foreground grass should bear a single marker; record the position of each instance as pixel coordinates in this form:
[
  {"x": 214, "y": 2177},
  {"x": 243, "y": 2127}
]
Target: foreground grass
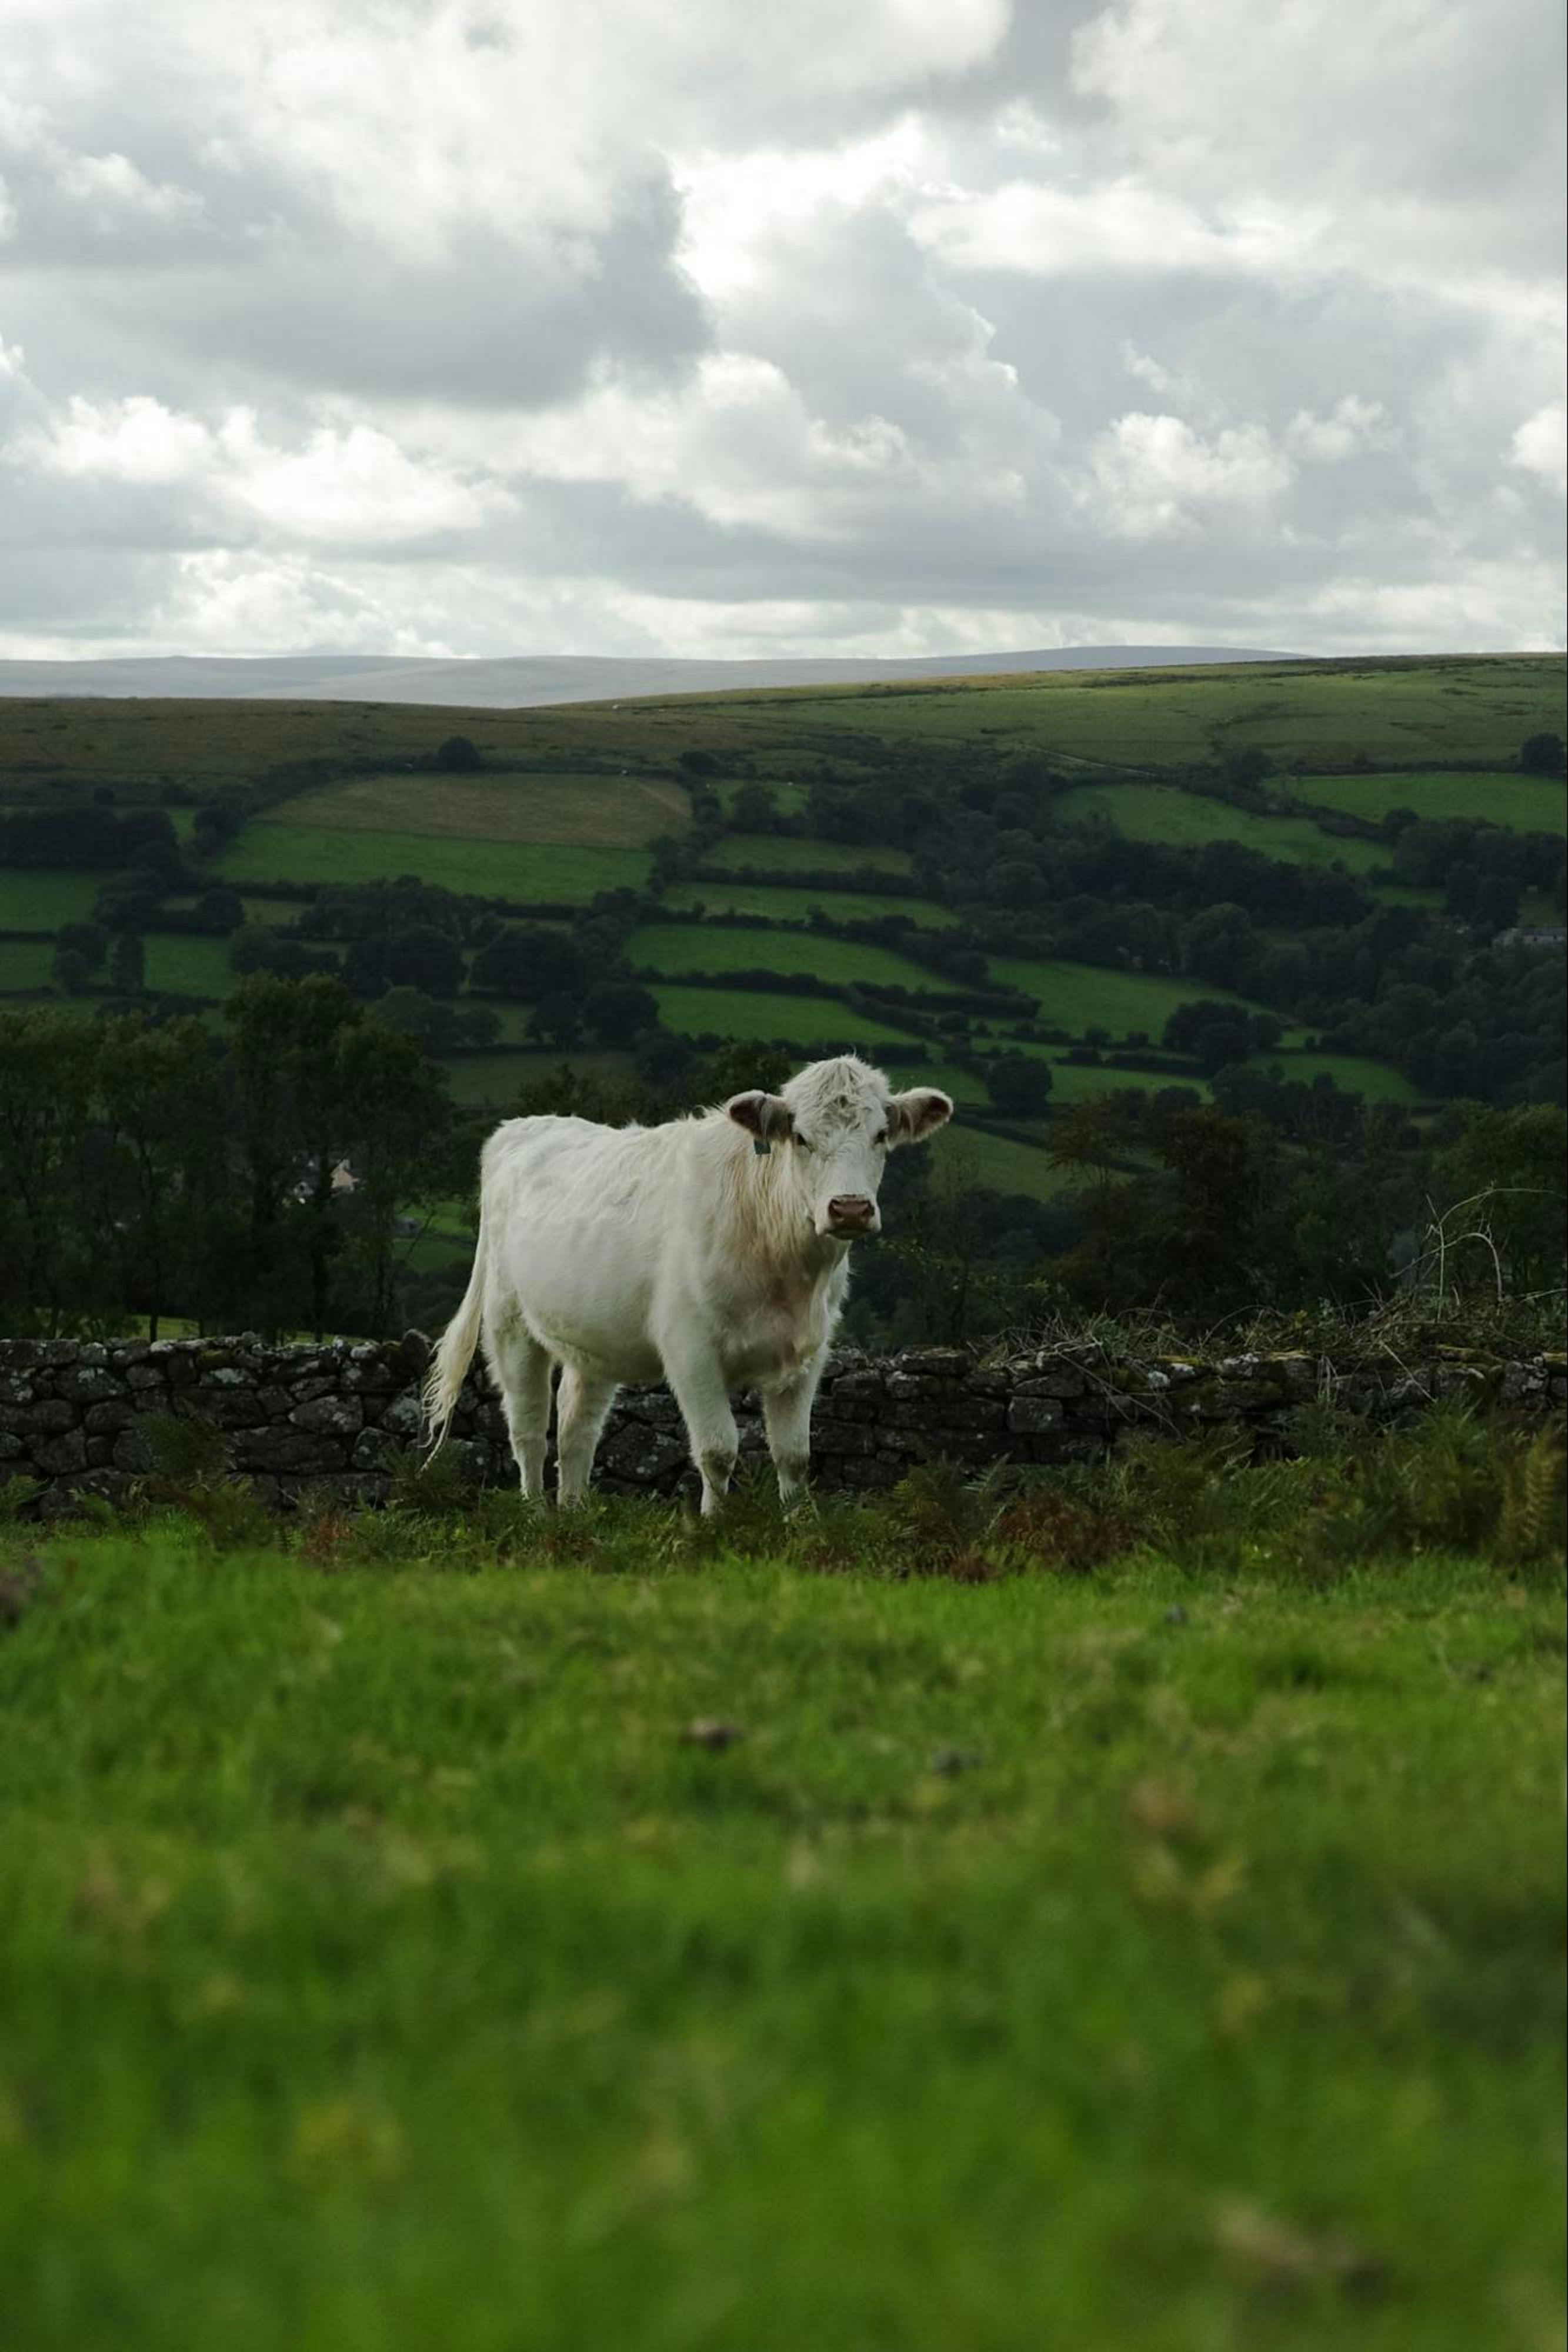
[{"x": 1124, "y": 1961}]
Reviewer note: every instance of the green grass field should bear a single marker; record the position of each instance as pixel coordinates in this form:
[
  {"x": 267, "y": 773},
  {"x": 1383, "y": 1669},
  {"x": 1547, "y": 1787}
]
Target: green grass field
[
  {"x": 1188, "y": 820},
  {"x": 42, "y": 898},
  {"x": 750, "y": 1013},
  {"x": 498, "y": 1078},
  {"x": 1076, "y": 1082},
  {"x": 278, "y": 850},
  {"x": 1356, "y": 1074},
  {"x": 25, "y": 963},
  {"x": 708, "y": 946},
  {"x": 779, "y": 905},
  {"x": 1523, "y": 803},
  {"x": 602, "y": 812},
  {"x": 1080, "y": 996},
  {"x": 1463, "y": 708},
  {"x": 790, "y": 799},
  {"x": 1129, "y": 1962},
  {"x": 784, "y": 854},
  {"x": 970, "y": 1156},
  {"x": 187, "y": 965}
]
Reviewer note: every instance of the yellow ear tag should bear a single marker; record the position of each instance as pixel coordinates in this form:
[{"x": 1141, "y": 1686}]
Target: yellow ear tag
[{"x": 762, "y": 1147}]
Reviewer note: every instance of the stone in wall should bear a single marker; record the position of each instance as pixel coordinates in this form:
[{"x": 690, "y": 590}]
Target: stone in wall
[{"x": 340, "y": 1416}]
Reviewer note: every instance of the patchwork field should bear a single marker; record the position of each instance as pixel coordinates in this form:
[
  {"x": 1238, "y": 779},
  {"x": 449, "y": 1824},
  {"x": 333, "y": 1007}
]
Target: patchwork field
[
  {"x": 188, "y": 966},
  {"x": 606, "y": 812},
  {"x": 784, "y": 854},
  {"x": 709, "y": 947},
  {"x": 499, "y": 1078},
  {"x": 1075, "y": 1082},
  {"x": 42, "y": 898},
  {"x": 1523, "y": 803},
  {"x": 25, "y": 963},
  {"x": 1081, "y": 996},
  {"x": 1187, "y": 820},
  {"x": 790, "y": 799},
  {"x": 569, "y": 798},
  {"x": 278, "y": 849},
  {"x": 1129, "y": 1961},
  {"x": 970, "y": 1156},
  {"x": 776, "y": 904},
  {"x": 1354, "y": 1073},
  {"x": 748, "y": 1014}
]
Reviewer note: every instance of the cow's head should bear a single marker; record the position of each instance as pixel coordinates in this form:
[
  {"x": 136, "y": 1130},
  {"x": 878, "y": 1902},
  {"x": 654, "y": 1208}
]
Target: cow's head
[{"x": 832, "y": 1128}]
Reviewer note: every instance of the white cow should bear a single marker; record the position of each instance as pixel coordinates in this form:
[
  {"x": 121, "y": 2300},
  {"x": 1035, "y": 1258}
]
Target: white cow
[{"x": 712, "y": 1251}]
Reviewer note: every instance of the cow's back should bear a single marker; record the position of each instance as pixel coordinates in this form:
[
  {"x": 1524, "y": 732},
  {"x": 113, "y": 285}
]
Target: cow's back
[{"x": 584, "y": 1224}]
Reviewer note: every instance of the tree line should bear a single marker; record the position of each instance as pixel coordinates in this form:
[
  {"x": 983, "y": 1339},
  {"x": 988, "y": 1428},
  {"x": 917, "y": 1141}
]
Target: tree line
[{"x": 153, "y": 1168}]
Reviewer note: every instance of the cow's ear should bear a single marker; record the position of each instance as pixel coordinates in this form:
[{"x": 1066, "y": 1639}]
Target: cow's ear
[
  {"x": 768, "y": 1116},
  {"x": 913, "y": 1117}
]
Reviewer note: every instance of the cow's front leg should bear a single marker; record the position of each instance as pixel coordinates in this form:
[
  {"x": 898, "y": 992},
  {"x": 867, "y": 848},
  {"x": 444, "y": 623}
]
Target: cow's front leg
[
  {"x": 701, "y": 1391},
  {"x": 787, "y": 1416}
]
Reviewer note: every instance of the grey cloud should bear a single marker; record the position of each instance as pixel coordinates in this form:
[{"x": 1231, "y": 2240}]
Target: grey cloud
[
  {"x": 932, "y": 435},
  {"x": 488, "y": 322}
]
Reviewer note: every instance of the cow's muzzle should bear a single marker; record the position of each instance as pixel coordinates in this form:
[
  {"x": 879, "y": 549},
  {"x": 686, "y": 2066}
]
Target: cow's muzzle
[{"x": 850, "y": 1215}]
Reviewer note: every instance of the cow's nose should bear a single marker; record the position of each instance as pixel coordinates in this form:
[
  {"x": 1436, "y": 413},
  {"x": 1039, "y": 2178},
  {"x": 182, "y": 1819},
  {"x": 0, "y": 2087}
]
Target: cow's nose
[{"x": 850, "y": 1211}]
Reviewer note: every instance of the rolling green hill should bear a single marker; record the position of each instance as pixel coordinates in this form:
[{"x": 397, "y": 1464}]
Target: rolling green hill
[{"x": 552, "y": 807}]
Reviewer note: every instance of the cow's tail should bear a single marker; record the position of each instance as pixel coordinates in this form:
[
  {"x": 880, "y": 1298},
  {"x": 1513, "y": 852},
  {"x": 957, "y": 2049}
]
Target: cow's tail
[{"x": 453, "y": 1354}]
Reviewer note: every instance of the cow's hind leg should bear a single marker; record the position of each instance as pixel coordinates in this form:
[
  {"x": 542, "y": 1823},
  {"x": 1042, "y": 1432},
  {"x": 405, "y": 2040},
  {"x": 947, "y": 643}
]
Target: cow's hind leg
[
  {"x": 787, "y": 1416},
  {"x": 522, "y": 1370},
  {"x": 703, "y": 1396},
  {"x": 582, "y": 1401}
]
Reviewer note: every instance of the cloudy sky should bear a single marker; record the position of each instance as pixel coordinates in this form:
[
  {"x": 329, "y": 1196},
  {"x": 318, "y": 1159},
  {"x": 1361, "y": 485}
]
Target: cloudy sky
[{"x": 713, "y": 327}]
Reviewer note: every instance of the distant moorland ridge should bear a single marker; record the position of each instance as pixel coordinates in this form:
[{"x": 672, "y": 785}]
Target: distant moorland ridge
[{"x": 515, "y": 681}]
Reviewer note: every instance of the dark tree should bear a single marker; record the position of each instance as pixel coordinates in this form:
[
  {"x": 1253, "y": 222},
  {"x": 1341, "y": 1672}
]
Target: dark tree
[
  {"x": 128, "y": 965},
  {"x": 458, "y": 757},
  {"x": 219, "y": 911},
  {"x": 1542, "y": 755},
  {"x": 164, "y": 1170},
  {"x": 754, "y": 809},
  {"x": 524, "y": 960},
  {"x": 69, "y": 969},
  {"x": 423, "y": 957},
  {"x": 619, "y": 1010},
  {"x": 89, "y": 940},
  {"x": 1225, "y": 1042},
  {"x": 1019, "y": 1084},
  {"x": 557, "y": 1019}
]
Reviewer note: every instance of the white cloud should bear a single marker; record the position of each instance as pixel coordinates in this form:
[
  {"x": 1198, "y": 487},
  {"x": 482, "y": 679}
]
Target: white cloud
[
  {"x": 1067, "y": 230},
  {"x": 133, "y": 440},
  {"x": 1538, "y": 446},
  {"x": 1351, "y": 426},
  {"x": 1153, "y": 477},
  {"x": 110, "y": 187},
  {"x": 351, "y": 486}
]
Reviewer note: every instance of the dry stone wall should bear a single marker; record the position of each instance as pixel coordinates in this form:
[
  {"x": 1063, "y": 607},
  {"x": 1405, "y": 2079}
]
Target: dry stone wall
[{"x": 76, "y": 1417}]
